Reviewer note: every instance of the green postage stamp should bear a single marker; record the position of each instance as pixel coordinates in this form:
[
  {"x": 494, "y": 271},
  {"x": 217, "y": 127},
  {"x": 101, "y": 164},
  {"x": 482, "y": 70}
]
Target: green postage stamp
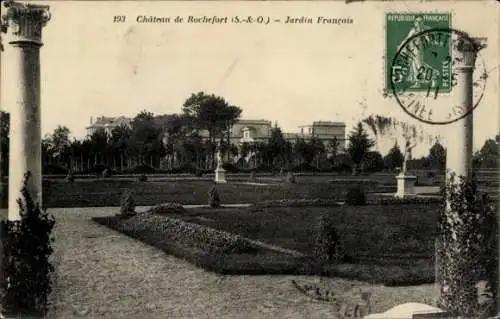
[{"x": 422, "y": 69}]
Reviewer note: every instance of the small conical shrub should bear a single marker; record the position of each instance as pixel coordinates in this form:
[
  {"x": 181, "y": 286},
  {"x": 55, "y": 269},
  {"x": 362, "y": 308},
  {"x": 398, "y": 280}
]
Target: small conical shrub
[
  {"x": 329, "y": 246},
  {"x": 213, "y": 197},
  {"x": 290, "y": 178},
  {"x": 127, "y": 204},
  {"x": 355, "y": 196}
]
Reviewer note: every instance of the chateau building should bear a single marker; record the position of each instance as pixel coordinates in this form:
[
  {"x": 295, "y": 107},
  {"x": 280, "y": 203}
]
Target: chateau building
[
  {"x": 106, "y": 123},
  {"x": 250, "y": 131}
]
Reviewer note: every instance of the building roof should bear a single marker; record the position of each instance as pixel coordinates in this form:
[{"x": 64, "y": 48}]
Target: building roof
[{"x": 248, "y": 121}]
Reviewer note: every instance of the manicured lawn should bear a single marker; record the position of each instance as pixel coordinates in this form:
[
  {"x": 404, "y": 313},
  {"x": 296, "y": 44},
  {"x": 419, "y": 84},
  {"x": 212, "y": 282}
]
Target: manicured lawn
[
  {"x": 389, "y": 244},
  {"x": 369, "y": 231},
  {"x": 108, "y": 192}
]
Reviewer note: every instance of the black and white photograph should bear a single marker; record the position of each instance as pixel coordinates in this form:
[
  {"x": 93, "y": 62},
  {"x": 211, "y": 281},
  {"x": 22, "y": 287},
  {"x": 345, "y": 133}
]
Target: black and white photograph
[{"x": 249, "y": 159}]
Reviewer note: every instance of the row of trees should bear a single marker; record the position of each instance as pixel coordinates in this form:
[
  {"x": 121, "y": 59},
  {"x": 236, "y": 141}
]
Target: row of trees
[{"x": 191, "y": 138}]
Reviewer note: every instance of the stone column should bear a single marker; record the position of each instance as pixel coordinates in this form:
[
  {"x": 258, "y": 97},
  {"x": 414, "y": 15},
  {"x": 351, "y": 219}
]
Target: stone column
[
  {"x": 24, "y": 29},
  {"x": 453, "y": 296},
  {"x": 460, "y": 133}
]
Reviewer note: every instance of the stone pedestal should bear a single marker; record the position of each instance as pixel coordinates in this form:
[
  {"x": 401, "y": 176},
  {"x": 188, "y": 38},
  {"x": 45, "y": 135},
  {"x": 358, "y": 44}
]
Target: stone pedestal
[
  {"x": 410, "y": 310},
  {"x": 24, "y": 24},
  {"x": 220, "y": 175},
  {"x": 406, "y": 185}
]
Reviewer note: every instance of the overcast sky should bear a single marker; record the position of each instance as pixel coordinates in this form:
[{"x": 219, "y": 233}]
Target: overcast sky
[{"x": 292, "y": 74}]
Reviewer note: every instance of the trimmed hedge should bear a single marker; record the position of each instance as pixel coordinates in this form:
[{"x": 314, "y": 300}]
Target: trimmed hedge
[{"x": 189, "y": 234}]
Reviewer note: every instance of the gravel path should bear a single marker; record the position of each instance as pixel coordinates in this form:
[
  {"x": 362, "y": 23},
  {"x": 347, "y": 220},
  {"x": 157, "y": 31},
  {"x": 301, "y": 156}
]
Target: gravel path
[{"x": 103, "y": 274}]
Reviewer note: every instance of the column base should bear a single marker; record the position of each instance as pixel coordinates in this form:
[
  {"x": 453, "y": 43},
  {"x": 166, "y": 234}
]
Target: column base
[
  {"x": 220, "y": 175},
  {"x": 406, "y": 186}
]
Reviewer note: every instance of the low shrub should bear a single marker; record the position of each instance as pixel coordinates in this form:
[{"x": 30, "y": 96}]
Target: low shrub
[
  {"x": 213, "y": 197},
  {"x": 167, "y": 208},
  {"x": 26, "y": 248},
  {"x": 53, "y": 169},
  {"x": 230, "y": 168},
  {"x": 127, "y": 204},
  {"x": 140, "y": 169},
  {"x": 97, "y": 170},
  {"x": 317, "y": 202},
  {"x": 142, "y": 178},
  {"x": 328, "y": 246},
  {"x": 406, "y": 200},
  {"x": 304, "y": 167},
  {"x": 163, "y": 228},
  {"x": 290, "y": 178},
  {"x": 355, "y": 196}
]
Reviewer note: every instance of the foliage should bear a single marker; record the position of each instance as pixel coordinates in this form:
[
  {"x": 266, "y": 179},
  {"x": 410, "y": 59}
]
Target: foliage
[
  {"x": 53, "y": 169},
  {"x": 328, "y": 246},
  {"x": 465, "y": 223},
  {"x": 372, "y": 162},
  {"x": 127, "y": 204},
  {"x": 359, "y": 144},
  {"x": 140, "y": 169},
  {"x": 213, "y": 197},
  {"x": 26, "y": 247},
  {"x": 142, "y": 178},
  {"x": 355, "y": 196},
  {"x": 211, "y": 113},
  {"x": 437, "y": 156},
  {"x": 290, "y": 178},
  {"x": 394, "y": 158},
  {"x": 167, "y": 208},
  {"x": 145, "y": 139},
  {"x": 487, "y": 157}
]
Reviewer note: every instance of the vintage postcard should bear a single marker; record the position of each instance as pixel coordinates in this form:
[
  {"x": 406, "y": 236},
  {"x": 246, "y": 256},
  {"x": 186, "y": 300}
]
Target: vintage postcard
[{"x": 249, "y": 159}]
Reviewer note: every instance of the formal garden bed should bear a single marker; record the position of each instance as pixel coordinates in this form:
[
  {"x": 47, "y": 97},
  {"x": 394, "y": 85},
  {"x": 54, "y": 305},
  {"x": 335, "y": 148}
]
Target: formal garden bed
[{"x": 383, "y": 244}]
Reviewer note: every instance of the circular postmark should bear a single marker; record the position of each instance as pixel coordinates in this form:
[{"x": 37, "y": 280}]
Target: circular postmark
[{"x": 437, "y": 75}]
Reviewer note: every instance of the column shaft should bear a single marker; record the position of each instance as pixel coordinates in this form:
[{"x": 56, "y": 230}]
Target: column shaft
[
  {"x": 460, "y": 133},
  {"x": 25, "y": 130}
]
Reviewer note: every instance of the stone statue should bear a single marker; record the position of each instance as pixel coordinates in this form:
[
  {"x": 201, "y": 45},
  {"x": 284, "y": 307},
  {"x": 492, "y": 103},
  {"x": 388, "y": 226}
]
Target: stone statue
[
  {"x": 407, "y": 155},
  {"x": 219, "y": 158}
]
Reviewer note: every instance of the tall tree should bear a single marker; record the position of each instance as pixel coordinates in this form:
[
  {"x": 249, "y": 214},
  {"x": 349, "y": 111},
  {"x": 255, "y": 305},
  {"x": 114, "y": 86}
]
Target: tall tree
[
  {"x": 359, "y": 144},
  {"x": 120, "y": 143},
  {"x": 277, "y": 146},
  {"x": 98, "y": 143},
  {"x": 394, "y": 158},
  {"x": 437, "y": 156},
  {"x": 211, "y": 113},
  {"x": 59, "y": 143},
  {"x": 145, "y": 140}
]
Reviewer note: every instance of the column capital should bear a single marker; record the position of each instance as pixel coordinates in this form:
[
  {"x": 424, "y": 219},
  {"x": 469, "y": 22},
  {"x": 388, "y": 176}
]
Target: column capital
[
  {"x": 24, "y": 22},
  {"x": 466, "y": 49}
]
